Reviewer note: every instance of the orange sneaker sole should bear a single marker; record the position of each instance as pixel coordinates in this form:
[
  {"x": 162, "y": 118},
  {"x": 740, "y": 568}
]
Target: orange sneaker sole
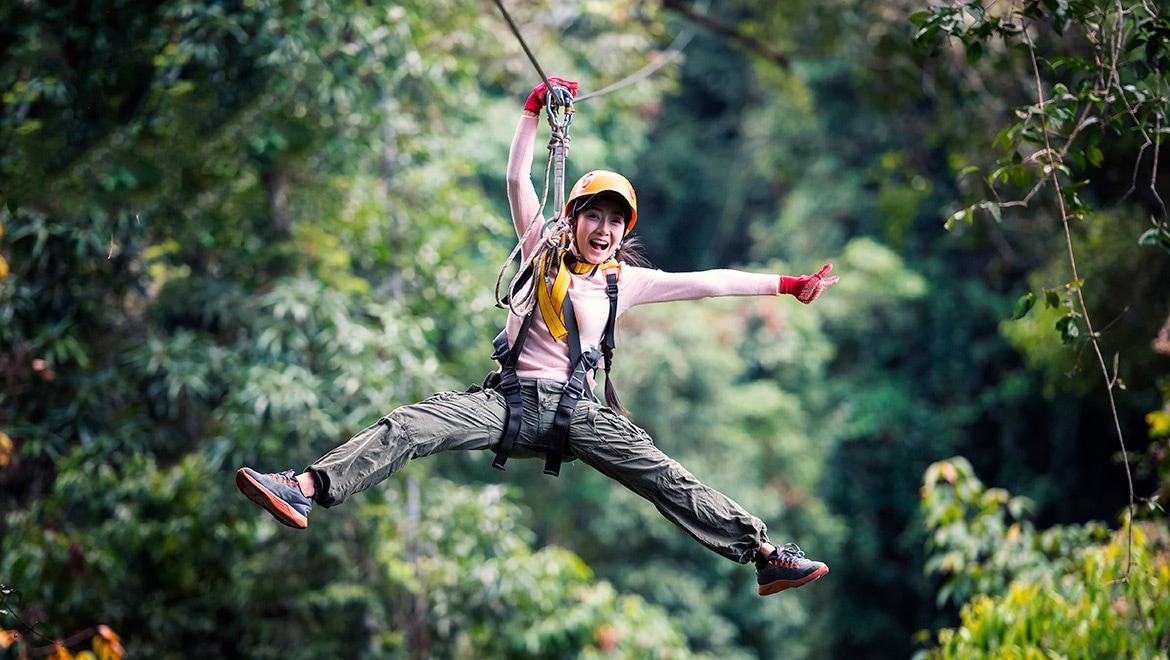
[{"x": 780, "y": 585}]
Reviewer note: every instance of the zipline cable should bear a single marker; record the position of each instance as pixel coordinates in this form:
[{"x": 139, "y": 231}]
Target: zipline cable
[
  {"x": 676, "y": 47},
  {"x": 523, "y": 44},
  {"x": 672, "y": 51}
]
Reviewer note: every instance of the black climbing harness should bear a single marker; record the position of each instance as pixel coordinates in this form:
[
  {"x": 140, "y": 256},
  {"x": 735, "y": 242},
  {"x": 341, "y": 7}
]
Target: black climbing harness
[{"x": 575, "y": 389}]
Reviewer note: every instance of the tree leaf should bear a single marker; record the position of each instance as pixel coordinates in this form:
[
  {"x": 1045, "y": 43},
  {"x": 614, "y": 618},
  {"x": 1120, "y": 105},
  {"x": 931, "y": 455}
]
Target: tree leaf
[
  {"x": 1023, "y": 306},
  {"x": 974, "y": 52},
  {"x": 1069, "y": 331}
]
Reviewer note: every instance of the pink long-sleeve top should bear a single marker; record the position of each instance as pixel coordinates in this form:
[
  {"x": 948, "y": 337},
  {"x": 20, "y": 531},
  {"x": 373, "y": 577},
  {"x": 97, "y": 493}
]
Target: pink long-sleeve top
[{"x": 544, "y": 357}]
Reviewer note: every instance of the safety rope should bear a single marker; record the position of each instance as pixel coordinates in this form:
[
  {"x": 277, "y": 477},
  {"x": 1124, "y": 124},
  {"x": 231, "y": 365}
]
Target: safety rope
[
  {"x": 521, "y": 295},
  {"x": 541, "y": 264}
]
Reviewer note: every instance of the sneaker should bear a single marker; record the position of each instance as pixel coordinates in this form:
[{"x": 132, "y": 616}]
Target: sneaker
[
  {"x": 786, "y": 568},
  {"x": 279, "y": 494}
]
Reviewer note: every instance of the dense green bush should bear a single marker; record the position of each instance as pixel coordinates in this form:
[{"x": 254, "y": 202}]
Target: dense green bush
[{"x": 1070, "y": 591}]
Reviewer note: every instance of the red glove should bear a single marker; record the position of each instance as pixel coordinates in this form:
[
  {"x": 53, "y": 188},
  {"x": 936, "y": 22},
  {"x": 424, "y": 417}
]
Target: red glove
[
  {"x": 806, "y": 288},
  {"x": 536, "y": 99}
]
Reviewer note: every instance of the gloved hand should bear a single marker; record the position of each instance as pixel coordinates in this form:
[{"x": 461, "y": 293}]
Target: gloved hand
[
  {"x": 536, "y": 99},
  {"x": 806, "y": 288}
]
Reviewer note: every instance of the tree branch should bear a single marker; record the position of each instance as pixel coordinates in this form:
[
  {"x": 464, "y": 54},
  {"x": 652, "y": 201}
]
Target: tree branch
[{"x": 750, "y": 42}]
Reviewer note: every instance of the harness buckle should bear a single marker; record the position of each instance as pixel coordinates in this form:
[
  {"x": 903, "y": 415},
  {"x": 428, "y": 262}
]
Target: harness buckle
[
  {"x": 508, "y": 382},
  {"x": 575, "y": 388}
]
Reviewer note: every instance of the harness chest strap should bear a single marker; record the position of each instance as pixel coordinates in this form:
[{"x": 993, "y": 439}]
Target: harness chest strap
[{"x": 575, "y": 389}]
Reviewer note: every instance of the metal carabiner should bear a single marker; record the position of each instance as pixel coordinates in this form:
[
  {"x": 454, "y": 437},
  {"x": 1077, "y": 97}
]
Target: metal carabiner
[{"x": 559, "y": 96}]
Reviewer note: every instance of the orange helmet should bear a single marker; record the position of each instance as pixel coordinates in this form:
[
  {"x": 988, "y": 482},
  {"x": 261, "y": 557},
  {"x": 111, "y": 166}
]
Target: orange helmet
[{"x": 599, "y": 181}]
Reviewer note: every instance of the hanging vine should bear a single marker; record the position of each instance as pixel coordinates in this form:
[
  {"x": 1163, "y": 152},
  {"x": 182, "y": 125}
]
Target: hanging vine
[{"x": 1117, "y": 86}]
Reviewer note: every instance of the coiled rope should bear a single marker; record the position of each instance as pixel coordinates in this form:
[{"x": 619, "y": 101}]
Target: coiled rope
[{"x": 521, "y": 295}]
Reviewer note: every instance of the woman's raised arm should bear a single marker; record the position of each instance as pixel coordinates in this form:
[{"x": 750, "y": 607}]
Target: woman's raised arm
[
  {"x": 521, "y": 194},
  {"x": 522, "y": 197}
]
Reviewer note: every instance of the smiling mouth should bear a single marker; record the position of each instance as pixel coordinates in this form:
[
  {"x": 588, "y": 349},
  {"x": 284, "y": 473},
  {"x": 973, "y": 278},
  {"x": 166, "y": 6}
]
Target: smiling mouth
[{"x": 599, "y": 245}]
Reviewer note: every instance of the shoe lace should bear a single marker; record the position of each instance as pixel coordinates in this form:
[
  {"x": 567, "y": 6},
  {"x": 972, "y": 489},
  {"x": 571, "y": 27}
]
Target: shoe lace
[
  {"x": 790, "y": 555},
  {"x": 287, "y": 477},
  {"x": 792, "y": 549}
]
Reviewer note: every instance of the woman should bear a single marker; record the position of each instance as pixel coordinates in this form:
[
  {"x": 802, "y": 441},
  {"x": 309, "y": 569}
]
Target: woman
[{"x": 560, "y": 343}]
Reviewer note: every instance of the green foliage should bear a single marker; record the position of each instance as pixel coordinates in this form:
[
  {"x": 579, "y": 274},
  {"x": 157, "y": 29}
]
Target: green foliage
[
  {"x": 149, "y": 551},
  {"x": 239, "y": 232},
  {"x": 981, "y": 538},
  {"x": 1088, "y": 113},
  {"x": 1073, "y": 591},
  {"x": 165, "y": 555},
  {"x": 1099, "y": 78},
  {"x": 450, "y": 573},
  {"x": 1120, "y": 283}
]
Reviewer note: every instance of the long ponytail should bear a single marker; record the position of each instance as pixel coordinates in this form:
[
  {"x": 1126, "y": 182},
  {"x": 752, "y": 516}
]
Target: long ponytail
[{"x": 611, "y": 397}]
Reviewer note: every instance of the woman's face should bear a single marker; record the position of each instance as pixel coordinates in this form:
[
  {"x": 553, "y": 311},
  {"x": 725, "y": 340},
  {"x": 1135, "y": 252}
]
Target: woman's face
[{"x": 600, "y": 228}]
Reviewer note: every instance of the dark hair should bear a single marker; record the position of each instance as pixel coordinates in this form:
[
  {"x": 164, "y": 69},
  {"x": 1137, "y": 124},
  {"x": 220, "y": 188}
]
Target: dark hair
[
  {"x": 611, "y": 397},
  {"x": 631, "y": 252}
]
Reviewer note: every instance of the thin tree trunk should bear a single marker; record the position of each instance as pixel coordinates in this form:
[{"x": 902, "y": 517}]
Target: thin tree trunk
[{"x": 275, "y": 179}]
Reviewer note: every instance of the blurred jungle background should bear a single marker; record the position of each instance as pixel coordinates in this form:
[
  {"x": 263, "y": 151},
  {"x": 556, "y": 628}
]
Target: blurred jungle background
[{"x": 236, "y": 232}]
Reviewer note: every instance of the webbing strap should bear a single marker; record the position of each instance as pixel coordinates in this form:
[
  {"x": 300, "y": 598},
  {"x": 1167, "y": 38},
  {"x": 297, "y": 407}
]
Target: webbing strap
[
  {"x": 611, "y": 290},
  {"x": 575, "y": 389},
  {"x": 574, "y": 338},
  {"x": 509, "y": 386}
]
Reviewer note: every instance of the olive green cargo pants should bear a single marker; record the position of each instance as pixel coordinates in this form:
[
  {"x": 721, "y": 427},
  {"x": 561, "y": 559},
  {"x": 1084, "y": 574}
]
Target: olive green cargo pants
[{"x": 599, "y": 437}]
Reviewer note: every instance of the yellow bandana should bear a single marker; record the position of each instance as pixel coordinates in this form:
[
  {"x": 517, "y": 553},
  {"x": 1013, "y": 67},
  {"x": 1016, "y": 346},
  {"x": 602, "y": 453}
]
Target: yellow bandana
[{"x": 552, "y": 298}]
